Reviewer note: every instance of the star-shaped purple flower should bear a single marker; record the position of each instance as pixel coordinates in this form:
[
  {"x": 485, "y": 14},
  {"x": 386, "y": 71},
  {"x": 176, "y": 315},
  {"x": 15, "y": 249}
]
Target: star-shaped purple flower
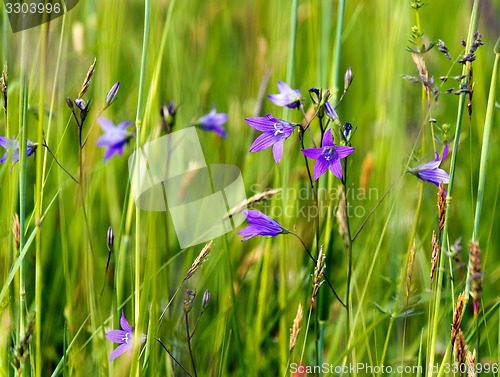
[
  {"x": 123, "y": 337},
  {"x": 288, "y": 97},
  {"x": 431, "y": 172},
  {"x": 260, "y": 225},
  {"x": 213, "y": 121},
  {"x": 114, "y": 138},
  {"x": 275, "y": 133},
  {"x": 328, "y": 156},
  {"x": 12, "y": 146}
]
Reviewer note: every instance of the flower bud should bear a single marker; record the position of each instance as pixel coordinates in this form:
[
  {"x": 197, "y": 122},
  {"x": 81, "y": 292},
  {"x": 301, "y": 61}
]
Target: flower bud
[
  {"x": 110, "y": 238},
  {"x": 69, "y": 102},
  {"x": 348, "y": 78},
  {"x": 112, "y": 94},
  {"x": 80, "y": 103},
  {"x": 206, "y": 300}
]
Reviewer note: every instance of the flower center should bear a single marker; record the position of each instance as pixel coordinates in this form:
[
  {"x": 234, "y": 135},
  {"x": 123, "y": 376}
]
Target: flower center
[
  {"x": 278, "y": 129},
  {"x": 330, "y": 154},
  {"x": 126, "y": 337}
]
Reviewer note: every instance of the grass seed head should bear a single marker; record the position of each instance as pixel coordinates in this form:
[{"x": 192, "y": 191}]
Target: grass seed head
[
  {"x": 5, "y": 84},
  {"x": 475, "y": 274},
  {"x": 409, "y": 271},
  {"x": 199, "y": 260},
  {"x": 317, "y": 279},
  {"x": 460, "y": 349},
  {"x": 471, "y": 363},
  {"x": 16, "y": 229},
  {"x": 294, "y": 331},
  {"x": 86, "y": 82},
  {"x": 457, "y": 318},
  {"x": 435, "y": 256}
]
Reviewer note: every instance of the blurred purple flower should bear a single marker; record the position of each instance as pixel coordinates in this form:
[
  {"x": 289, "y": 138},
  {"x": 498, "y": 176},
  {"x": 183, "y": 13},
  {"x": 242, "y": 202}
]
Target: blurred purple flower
[
  {"x": 260, "y": 225},
  {"x": 288, "y": 97},
  {"x": 213, "y": 121},
  {"x": 12, "y": 146},
  {"x": 123, "y": 337},
  {"x": 114, "y": 138},
  {"x": 431, "y": 172},
  {"x": 328, "y": 156},
  {"x": 275, "y": 133}
]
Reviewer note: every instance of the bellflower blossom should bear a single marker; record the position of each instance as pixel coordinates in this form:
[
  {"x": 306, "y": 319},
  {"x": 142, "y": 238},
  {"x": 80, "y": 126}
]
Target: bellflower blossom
[
  {"x": 12, "y": 146},
  {"x": 260, "y": 225},
  {"x": 275, "y": 133},
  {"x": 114, "y": 138},
  {"x": 288, "y": 97},
  {"x": 123, "y": 337},
  {"x": 213, "y": 121},
  {"x": 328, "y": 156},
  {"x": 430, "y": 172}
]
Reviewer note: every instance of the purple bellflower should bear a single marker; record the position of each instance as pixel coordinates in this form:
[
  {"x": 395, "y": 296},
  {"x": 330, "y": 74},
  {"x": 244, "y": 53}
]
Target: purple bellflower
[
  {"x": 431, "y": 172},
  {"x": 330, "y": 111},
  {"x": 12, "y": 146},
  {"x": 260, "y": 225},
  {"x": 328, "y": 156},
  {"x": 123, "y": 337},
  {"x": 213, "y": 121},
  {"x": 275, "y": 133},
  {"x": 114, "y": 138},
  {"x": 288, "y": 97}
]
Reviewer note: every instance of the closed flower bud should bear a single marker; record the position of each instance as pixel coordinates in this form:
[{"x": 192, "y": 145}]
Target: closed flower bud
[
  {"x": 69, "y": 102},
  {"x": 348, "y": 78},
  {"x": 110, "y": 238},
  {"x": 80, "y": 103},
  {"x": 112, "y": 94},
  {"x": 206, "y": 299}
]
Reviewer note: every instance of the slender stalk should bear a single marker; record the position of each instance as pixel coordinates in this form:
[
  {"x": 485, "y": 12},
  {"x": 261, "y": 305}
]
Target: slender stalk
[
  {"x": 138, "y": 119},
  {"x": 472, "y": 29},
  {"x": 189, "y": 342},
  {"x": 172, "y": 356}
]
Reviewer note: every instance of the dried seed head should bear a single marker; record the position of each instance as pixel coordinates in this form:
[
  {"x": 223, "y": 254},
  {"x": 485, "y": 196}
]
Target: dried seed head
[
  {"x": 475, "y": 274},
  {"x": 435, "y": 256},
  {"x": 317, "y": 279},
  {"x": 422, "y": 69},
  {"x": 206, "y": 299},
  {"x": 86, "y": 82},
  {"x": 471, "y": 363},
  {"x": 249, "y": 202},
  {"x": 441, "y": 203},
  {"x": 199, "y": 260},
  {"x": 460, "y": 349},
  {"x": 5, "y": 84},
  {"x": 348, "y": 78},
  {"x": 409, "y": 271},
  {"x": 16, "y": 229},
  {"x": 457, "y": 319},
  {"x": 342, "y": 218},
  {"x": 366, "y": 171},
  {"x": 110, "y": 238},
  {"x": 294, "y": 331}
]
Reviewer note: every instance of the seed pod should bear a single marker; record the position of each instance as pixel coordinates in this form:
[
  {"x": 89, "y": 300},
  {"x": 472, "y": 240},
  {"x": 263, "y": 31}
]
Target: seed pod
[
  {"x": 348, "y": 78},
  {"x": 110, "y": 238},
  {"x": 206, "y": 299}
]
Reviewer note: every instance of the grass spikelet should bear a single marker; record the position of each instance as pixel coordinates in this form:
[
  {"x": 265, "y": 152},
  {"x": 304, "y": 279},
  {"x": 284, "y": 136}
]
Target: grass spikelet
[
  {"x": 341, "y": 218},
  {"x": 409, "y": 271},
  {"x": 435, "y": 255},
  {"x": 16, "y": 229},
  {"x": 5, "y": 84},
  {"x": 294, "y": 331},
  {"x": 317, "y": 279},
  {"x": 441, "y": 207},
  {"x": 86, "y": 82},
  {"x": 251, "y": 201},
  {"x": 471, "y": 363},
  {"x": 202, "y": 257},
  {"x": 460, "y": 349},
  {"x": 457, "y": 319},
  {"x": 475, "y": 274}
]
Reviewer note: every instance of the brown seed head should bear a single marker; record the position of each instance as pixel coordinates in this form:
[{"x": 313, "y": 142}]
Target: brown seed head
[
  {"x": 460, "y": 349},
  {"x": 441, "y": 207},
  {"x": 86, "y": 82},
  {"x": 249, "y": 202},
  {"x": 199, "y": 260},
  {"x": 475, "y": 274},
  {"x": 471, "y": 363},
  {"x": 5, "y": 84},
  {"x": 16, "y": 229},
  {"x": 435, "y": 256},
  {"x": 294, "y": 331},
  {"x": 457, "y": 318}
]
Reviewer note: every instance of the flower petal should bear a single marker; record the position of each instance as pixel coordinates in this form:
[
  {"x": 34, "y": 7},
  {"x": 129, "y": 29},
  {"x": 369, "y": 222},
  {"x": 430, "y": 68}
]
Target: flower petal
[
  {"x": 106, "y": 124},
  {"x": 312, "y": 153},
  {"x": 343, "y": 151},
  {"x": 320, "y": 167},
  {"x": 124, "y": 125},
  {"x": 264, "y": 141},
  {"x": 122, "y": 348},
  {"x": 327, "y": 139},
  {"x": 445, "y": 152},
  {"x": 336, "y": 168},
  {"x": 278, "y": 151},
  {"x": 124, "y": 324},
  {"x": 116, "y": 336},
  {"x": 263, "y": 124},
  {"x": 435, "y": 176},
  {"x": 283, "y": 87}
]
